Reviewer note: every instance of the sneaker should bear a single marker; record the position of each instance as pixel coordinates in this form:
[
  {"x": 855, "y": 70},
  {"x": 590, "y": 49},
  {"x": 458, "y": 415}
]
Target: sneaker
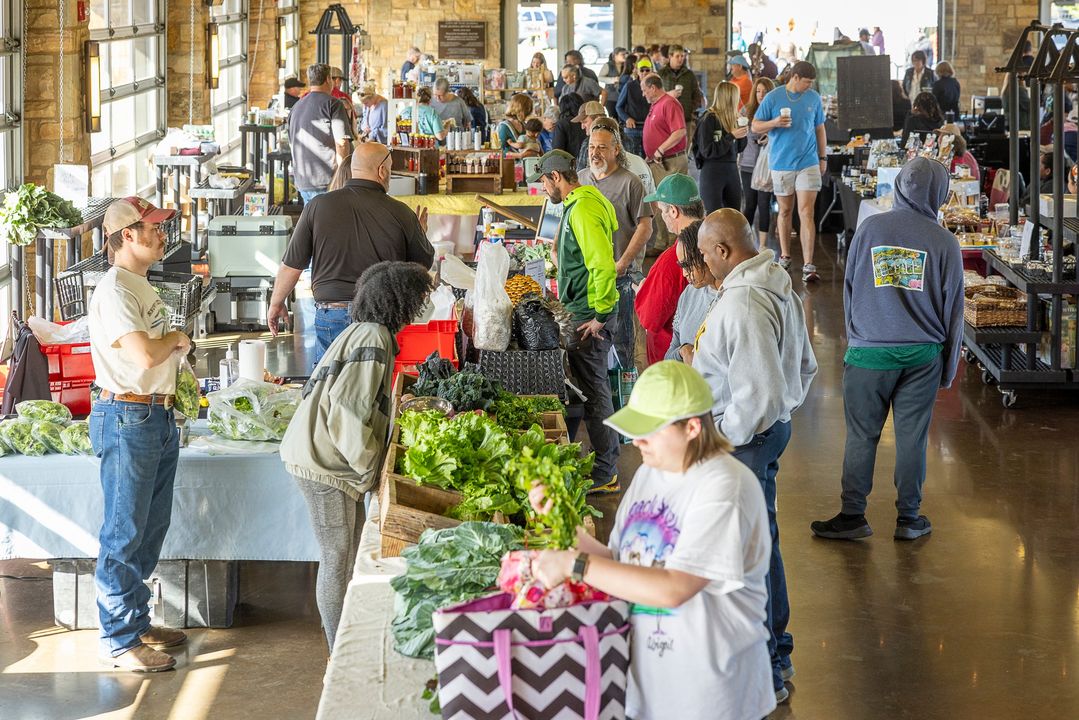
[
  {"x": 141, "y": 659},
  {"x": 782, "y": 695},
  {"x": 786, "y": 673},
  {"x": 912, "y": 528},
  {"x": 842, "y": 527},
  {"x": 809, "y": 274},
  {"x": 605, "y": 487},
  {"x": 785, "y": 262},
  {"x": 159, "y": 637}
]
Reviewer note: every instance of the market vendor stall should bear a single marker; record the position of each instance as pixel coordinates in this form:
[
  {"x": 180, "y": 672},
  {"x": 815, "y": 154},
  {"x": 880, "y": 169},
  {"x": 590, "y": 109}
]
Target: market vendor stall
[
  {"x": 225, "y": 507},
  {"x": 453, "y": 218}
]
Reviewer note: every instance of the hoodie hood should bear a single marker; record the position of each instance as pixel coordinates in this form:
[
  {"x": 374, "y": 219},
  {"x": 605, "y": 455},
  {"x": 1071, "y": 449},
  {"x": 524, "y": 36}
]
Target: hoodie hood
[
  {"x": 591, "y": 193},
  {"x": 760, "y": 272},
  {"x": 922, "y": 186}
]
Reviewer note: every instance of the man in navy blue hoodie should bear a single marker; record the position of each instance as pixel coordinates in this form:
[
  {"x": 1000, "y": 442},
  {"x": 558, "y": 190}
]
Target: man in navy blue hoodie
[{"x": 903, "y": 303}]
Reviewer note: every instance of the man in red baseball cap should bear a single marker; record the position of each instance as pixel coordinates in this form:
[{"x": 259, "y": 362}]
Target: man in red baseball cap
[{"x": 133, "y": 431}]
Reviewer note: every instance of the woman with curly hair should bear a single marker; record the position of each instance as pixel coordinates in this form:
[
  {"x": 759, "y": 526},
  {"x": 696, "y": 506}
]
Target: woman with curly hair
[
  {"x": 336, "y": 441},
  {"x": 924, "y": 118}
]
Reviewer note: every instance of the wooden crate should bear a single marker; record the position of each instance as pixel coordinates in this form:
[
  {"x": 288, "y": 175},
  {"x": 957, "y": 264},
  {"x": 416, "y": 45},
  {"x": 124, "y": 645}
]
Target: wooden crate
[
  {"x": 554, "y": 427},
  {"x": 485, "y": 183},
  {"x": 407, "y": 508}
]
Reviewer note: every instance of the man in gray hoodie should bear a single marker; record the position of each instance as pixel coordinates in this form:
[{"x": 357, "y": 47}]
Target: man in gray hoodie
[
  {"x": 754, "y": 351},
  {"x": 903, "y": 302}
]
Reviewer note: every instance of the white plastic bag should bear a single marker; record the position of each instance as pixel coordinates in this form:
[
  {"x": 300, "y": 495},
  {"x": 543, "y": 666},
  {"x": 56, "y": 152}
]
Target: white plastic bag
[
  {"x": 249, "y": 410},
  {"x": 49, "y": 333},
  {"x": 443, "y": 301},
  {"x": 762, "y": 174},
  {"x": 457, "y": 274},
  {"x": 493, "y": 322}
]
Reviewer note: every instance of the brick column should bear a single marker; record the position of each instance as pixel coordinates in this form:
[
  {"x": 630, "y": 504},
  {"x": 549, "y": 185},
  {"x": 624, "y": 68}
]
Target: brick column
[
  {"x": 262, "y": 52},
  {"x": 186, "y": 91}
]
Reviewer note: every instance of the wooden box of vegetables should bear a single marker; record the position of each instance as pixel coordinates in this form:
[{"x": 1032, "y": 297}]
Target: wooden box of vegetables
[{"x": 407, "y": 508}]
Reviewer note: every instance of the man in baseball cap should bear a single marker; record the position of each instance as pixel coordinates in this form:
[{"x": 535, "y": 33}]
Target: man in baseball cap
[
  {"x": 338, "y": 79},
  {"x": 589, "y": 113},
  {"x": 675, "y": 189},
  {"x": 136, "y": 357},
  {"x": 294, "y": 90}
]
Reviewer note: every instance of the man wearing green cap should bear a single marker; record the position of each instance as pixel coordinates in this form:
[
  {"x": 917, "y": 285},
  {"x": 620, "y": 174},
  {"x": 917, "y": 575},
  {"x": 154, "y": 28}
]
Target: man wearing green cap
[
  {"x": 584, "y": 254},
  {"x": 679, "y": 205}
]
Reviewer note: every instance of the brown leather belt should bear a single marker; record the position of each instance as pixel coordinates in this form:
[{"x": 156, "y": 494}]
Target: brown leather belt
[{"x": 166, "y": 400}]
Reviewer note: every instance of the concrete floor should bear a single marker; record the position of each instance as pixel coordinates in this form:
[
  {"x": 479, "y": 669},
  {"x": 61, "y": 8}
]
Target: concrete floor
[{"x": 979, "y": 620}]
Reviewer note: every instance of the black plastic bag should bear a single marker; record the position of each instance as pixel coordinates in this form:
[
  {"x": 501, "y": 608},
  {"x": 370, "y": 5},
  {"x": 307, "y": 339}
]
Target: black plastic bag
[{"x": 534, "y": 326}]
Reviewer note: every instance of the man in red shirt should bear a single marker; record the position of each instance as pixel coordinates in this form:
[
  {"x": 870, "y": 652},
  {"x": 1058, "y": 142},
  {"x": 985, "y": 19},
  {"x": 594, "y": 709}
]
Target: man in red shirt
[
  {"x": 664, "y": 141},
  {"x": 678, "y": 202}
]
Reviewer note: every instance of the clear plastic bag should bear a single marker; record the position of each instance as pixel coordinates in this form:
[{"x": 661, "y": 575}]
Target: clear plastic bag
[
  {"x": 49, "y": 434},
  {"x": 187, "y": 390},
  {"x": 249, "y": 410},
  {"x": 18, "y": 434},
  {"x": 50, "y": 333},
  {"x": 76, "y": 437},
  {"x": 493, "y": 322}
]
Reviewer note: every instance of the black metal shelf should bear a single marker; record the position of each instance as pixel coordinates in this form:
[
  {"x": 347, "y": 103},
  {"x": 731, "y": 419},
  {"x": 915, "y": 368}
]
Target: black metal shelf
[
  {"x": 1001, "y": 335},
  {"x": 1029, "y": 281},
  {"x": 992, "y": 357},
  {"x": 1071, "y": 225}
]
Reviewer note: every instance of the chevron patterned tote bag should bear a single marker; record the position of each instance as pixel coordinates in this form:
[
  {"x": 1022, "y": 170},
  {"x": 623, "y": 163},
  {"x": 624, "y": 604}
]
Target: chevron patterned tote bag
[{"x": 495, "y": 663}]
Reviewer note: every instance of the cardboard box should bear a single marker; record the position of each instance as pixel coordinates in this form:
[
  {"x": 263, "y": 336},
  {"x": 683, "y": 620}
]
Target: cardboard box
[{"x": 1047, "y": 206}]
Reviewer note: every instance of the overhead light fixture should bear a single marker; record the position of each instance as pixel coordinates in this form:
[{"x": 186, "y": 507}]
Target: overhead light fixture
[
  {"x": 213, "y": 56},
  {"x": 91, "y": 87},
  {"x": 282, "y": 41}
]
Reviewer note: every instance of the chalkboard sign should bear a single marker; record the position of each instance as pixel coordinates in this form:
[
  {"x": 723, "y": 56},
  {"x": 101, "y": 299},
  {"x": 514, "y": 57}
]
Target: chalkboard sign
[
  {"x": 462, "y": 40},
  {"x": 864, "y": 92}
]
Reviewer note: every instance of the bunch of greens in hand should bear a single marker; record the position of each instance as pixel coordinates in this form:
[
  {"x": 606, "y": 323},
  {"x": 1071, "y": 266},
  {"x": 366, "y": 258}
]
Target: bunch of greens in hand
[{"x": 31, "y": 208}]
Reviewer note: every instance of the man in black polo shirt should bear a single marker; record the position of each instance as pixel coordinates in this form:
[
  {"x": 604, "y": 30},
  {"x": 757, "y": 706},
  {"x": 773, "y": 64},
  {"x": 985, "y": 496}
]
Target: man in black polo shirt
[{"x": 341, "y": 234}]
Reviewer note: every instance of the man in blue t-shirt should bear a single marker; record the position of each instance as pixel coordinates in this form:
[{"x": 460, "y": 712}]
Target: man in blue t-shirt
[{"x": 793, "y": 118}]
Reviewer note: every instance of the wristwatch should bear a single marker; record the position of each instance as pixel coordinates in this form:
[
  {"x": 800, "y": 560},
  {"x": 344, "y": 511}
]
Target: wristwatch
[{"x": 580, "y": 566}]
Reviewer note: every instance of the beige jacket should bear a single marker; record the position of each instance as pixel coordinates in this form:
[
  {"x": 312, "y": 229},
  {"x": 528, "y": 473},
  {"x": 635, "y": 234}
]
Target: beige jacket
[{"x": 339, "y": 434}]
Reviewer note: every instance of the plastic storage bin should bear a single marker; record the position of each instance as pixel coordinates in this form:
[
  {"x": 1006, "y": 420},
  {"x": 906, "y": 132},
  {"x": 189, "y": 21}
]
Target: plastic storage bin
[
  {"x": 417, "y": 342},
  {"x": 71, "y": 372}
]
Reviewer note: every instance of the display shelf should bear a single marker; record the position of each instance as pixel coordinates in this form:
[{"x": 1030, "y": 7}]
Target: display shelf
[
  {"x": 469, "y": 183},
  {"x": 1001, "y": 335},
  {"x": 1029, "y": 281},
  {"x": 1001, "y": 362}
]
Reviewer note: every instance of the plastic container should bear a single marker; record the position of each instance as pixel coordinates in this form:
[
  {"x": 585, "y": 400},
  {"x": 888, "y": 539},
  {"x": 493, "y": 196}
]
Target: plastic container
[
  {"x": 71, "y": 372},
  {"x": 416, "y": 342}
]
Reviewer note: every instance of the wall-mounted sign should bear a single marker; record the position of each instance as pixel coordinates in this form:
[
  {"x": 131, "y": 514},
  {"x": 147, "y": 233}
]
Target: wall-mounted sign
[{"x": 462, "y": 40}]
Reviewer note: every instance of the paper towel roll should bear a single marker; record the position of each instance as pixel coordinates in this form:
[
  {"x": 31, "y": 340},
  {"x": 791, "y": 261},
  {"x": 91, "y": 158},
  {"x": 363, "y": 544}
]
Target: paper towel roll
[{"x": 252, "y": 359}]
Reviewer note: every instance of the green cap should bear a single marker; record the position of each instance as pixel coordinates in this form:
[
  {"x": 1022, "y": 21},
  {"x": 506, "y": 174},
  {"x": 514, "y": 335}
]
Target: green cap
[
  {"x": 554, "y": 161},
  {"x": 666, "y": 392},
  {"x": 676, "y": 189}
]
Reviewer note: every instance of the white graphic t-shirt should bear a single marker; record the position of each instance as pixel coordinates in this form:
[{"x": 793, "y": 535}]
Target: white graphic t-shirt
[
  {"x": 709, "y": 657},
  {"x": 123, "y": 303}
]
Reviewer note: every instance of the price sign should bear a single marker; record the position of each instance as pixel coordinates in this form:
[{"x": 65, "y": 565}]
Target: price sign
[
  {"x": 1028, "y": 238},
  {"x": 535, "y": 269}
]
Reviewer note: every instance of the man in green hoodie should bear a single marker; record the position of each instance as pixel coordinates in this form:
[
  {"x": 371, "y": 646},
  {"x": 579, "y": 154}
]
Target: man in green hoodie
[{"x": 584, "y": 253}]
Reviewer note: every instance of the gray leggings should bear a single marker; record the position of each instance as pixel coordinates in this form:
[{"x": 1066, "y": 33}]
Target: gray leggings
[{"x": 337, "y": 521}]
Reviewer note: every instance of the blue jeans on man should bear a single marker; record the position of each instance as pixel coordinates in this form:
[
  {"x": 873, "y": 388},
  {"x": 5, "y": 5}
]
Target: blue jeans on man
[
  {"x": 761, "y": 455},
  {"x": 138, "y": 445},
  {"x": 329, "y": 323}
]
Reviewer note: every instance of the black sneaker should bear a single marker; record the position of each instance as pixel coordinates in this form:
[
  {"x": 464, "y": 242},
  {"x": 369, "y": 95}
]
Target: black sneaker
[
  {"x": 912, "y": 528},
  {"x": 842, "y": 527}
]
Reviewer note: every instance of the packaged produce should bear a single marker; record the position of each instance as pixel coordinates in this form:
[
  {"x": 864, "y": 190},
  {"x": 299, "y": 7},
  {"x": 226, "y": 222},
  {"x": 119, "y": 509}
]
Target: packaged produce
[
  {"x": 76, "y": 439},
  {"x": 18, "y": 433},
  {"x": 50, "y": 434},
  {"x": 534, "y": 325},
  {"x": 187, "y": 390},
  {"x": 493, "y": 311},
  {"x": 250, "y": 410},
  {"x": 43, "y": 410}
]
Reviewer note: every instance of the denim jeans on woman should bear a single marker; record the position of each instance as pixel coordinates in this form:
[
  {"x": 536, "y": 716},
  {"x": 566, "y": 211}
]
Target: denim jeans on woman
[
  {"x": 138, "y": 445},
  {"x": 329, "y": 323}
]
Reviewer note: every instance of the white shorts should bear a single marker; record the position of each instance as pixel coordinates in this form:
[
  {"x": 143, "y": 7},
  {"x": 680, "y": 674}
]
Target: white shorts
[{"x": 786, "y": 182}]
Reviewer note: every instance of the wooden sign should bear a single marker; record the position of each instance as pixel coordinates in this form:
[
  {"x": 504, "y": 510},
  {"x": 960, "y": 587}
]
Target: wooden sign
[
  {"x": 462, "y": 40},
  {"x": 864, "y": 92}
]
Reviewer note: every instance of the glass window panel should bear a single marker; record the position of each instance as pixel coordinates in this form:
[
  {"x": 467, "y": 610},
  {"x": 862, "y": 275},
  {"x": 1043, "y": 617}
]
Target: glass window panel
[
  {"x": 146, "y": 112},
  {"x": 145, "y": 168},
  {"x": 144, "y": 12},
  {"x": 122, "y": 125},
  {"x": 97, "y": 14},
  {"x": 124, "y": 179},
  {"x": 593, "y": 33},
  {"x": 537, "y": 30},
  {"x": 144, "y": 51},
  {"x": 101, "y": 180},
  {"x": 121, "y": 70},
  {"x": 119, "y": 13},
  {"x": 100, "y": 141},
  {"x": 5, "y": 84},
  {"x": 6, "y": 164}
]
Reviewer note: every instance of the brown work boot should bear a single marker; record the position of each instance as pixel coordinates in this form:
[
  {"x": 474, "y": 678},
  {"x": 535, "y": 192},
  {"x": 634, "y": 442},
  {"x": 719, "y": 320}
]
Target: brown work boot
[
  {"x": 159, "y": 637},
  {"x": 142, "y": 659}
]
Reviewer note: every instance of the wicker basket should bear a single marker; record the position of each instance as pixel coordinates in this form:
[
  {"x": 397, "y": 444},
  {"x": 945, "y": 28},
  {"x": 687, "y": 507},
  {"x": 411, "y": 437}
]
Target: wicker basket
[{"x": 995, "y": 306}]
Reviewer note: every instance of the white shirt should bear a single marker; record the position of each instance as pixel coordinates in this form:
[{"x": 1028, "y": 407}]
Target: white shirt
[
  {"x": 123, "y": 303},
  {"x": 708, "y": 657}
]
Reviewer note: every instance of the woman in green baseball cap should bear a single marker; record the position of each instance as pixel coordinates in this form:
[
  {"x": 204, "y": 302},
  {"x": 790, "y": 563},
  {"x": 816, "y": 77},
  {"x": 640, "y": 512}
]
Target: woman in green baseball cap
[{"x": 690, "y": 549}]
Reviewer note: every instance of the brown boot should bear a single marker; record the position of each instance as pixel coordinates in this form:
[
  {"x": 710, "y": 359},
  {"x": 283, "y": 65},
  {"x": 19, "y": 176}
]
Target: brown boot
[
  {"x": 142, "y": 659},
  {"x": 159, "y": 637}
]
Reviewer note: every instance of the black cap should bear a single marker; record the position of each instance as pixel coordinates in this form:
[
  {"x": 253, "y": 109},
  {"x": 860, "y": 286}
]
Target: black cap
[
  {"x": 293, "y": 83},
  {"x": 553, "y": 161}
]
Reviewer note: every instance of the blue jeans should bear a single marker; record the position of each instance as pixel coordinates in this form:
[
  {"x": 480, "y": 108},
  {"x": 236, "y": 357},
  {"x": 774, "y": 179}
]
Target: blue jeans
[
  {"x": 309, "y": 195},
  {"x": 138, "y": 445},
  {"x": 635, "y": 141},
  {"x": 329, "y": 323},
  {"x": 761, "y": 455}
]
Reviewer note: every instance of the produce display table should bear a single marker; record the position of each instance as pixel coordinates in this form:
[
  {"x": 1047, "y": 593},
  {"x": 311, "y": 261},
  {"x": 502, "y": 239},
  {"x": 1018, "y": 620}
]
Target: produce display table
[
  {"x": 366, "y": 678},
  {"x": 453, "y": 218},
  {"x": 225, "y": 507}
]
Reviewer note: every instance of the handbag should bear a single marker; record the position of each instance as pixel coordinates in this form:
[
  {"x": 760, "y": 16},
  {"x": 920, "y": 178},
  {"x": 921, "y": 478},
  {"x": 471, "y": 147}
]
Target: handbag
[
  {"x": 495, "y": 663},
  {"x": 762, "y": 174}
]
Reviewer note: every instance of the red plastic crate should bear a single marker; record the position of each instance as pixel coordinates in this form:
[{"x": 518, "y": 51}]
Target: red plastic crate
[
  {"x": 416, "y": 342},
  {"x": 71, "y": 372}
]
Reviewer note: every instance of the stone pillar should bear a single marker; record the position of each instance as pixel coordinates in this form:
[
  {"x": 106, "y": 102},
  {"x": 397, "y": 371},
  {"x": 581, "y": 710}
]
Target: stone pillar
[
  {"x": 262, "y": 53},
  {"x": 187, "y": 94}
]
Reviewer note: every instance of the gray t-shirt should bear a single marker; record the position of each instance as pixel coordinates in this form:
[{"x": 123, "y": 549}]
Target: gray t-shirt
[
  {"x": 626, "y": 192},
  {"x": 315, "y": 126},
  {"x": 455, "y": 109}
]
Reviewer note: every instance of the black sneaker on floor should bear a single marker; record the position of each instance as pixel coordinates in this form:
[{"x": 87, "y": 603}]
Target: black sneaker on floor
[
  {"x": 912, "y": 528},
  {"x": 842, "y": 527}
]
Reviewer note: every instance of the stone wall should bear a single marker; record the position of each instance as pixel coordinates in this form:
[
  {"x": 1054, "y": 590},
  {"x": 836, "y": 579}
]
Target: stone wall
[
  {"x": 699, "y": 25},
  {"x": 188, "y": 96},
  {"x": 262, "y": 52},
  {"x": 985, "y": 34}
]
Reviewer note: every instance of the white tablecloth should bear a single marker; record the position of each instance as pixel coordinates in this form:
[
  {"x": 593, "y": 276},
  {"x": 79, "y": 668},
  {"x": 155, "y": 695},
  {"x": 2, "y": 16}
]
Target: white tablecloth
[
  {"x": 225, "y": 507},
  {"x": 366, "y": 678},
  {"x": 868, "y": 208}
]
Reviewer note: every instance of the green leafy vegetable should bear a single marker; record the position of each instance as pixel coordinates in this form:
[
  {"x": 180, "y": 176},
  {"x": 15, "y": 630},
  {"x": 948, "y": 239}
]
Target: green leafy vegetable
[
  {"x": 447, "y": 567},
  {"x": 76, "y": 439},
  {"x": 50, "y": 434},
  {"x": 32, "y": 207},
  {"x": 516, "y": 412},
  {"x": 468, "y": 390},
  {"x": 43, "y": 410},
  {"x": 187, "y": 390},
  {"x": 18, "y": 433},
  {"x": 251, "y": 410}
]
